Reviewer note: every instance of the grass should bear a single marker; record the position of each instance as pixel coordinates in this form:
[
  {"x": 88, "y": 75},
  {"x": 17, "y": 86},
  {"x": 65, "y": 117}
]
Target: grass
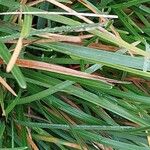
[{"x": 72, "y": 81}]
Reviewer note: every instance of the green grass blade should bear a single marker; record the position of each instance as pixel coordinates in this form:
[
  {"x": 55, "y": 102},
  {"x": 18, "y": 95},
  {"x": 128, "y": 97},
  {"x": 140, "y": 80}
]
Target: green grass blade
[{"x": 5, "y": 55}]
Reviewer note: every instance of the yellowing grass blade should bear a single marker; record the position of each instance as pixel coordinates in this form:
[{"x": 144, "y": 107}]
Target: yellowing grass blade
[
  {"x": 24, "y": 34},
  {"x": 4, "y": 83},
  {"x": 15, "y": 55}
]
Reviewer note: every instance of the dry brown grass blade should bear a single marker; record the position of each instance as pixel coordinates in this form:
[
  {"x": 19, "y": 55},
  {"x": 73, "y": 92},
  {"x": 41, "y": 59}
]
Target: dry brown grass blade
[
  {"x": 68, "y": 118},
  {"x": 103, "y": 47},
  {"x": 4, "y": 83},
  {"x": 67, "y": 100},
  {"x": 65, "y": 38},
  {"x": 35, "y": 2},
  {"x": 64, "y": 7},
  {"x": 14, "y": 55},
  {"x": 89, "y": 7},
  {"x": 62, "y": 70},
  {"x": 15, "y": 17},
  {"x": 46, "y": 38},
  {"x": 23, "y": 1},
  {"x": 56, "y": 140},
  {"x": 102, "y": 19},
  {"x": 102, "y": 147},
  {"x": 30, "y": 141},
  {"x": 69, "y": 10},
  {"x": 148, "y": 137}
]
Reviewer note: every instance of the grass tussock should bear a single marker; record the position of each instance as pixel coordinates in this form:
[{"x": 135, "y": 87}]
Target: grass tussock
[{"x": 74, "y": 74}]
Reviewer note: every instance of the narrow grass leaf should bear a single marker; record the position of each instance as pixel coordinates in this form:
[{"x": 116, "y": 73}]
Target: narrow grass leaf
[{"x": 5, "y": 55}]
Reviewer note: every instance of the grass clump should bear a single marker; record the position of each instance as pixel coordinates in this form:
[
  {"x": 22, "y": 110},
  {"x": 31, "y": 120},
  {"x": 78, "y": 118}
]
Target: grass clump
[{"x": 77, "y": 78}]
